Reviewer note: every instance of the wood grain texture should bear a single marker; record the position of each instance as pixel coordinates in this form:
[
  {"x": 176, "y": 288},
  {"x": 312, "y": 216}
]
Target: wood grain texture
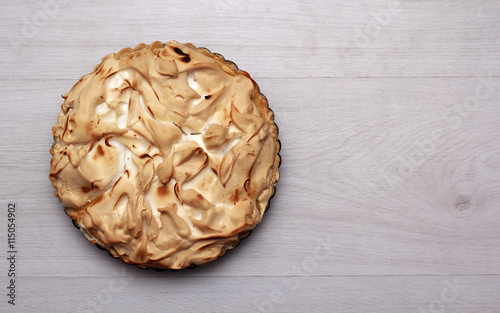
[
  {"x": 390, "y": 182},
  {"x": 117, "y": 293},
  {"x": 298, "y": 39}
]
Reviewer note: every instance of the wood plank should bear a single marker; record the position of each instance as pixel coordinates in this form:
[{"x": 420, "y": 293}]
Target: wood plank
[
  {"x": 117, "y": 293},
  {"x": 285, "y": 39},
  {"x": 345, "y": 180}
]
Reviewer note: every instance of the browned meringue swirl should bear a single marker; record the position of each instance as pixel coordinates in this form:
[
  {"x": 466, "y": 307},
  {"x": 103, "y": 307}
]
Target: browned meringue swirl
[{"x": 166, "y": 155}]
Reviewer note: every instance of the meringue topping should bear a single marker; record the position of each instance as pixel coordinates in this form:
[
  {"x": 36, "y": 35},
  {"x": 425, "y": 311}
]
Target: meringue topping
[{"x": 166, "y": 155}]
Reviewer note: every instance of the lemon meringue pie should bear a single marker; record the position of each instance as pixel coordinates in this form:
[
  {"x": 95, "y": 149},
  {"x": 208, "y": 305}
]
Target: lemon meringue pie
[{"x": 166, "y": 155}]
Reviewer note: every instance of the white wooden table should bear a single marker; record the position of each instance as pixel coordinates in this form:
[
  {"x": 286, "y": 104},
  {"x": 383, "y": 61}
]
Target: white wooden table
[{"x": 390, "y": 183}]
